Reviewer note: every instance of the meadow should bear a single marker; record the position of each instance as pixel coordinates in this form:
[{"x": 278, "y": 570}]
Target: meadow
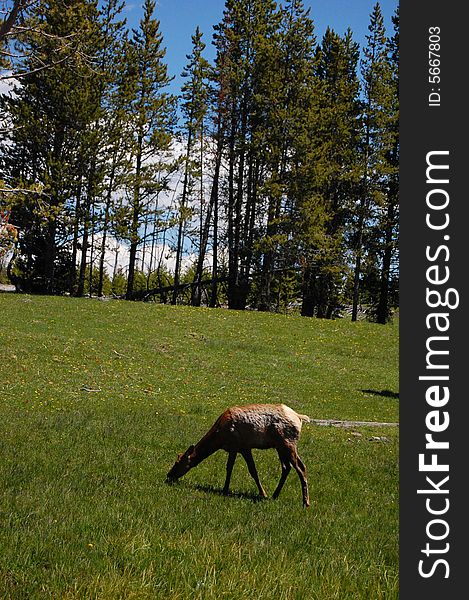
[{"x": 96, "y": 400}]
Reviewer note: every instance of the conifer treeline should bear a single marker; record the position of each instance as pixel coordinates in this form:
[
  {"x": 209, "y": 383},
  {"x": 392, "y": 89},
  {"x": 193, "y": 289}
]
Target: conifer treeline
[{"x": 272, "y": 179}]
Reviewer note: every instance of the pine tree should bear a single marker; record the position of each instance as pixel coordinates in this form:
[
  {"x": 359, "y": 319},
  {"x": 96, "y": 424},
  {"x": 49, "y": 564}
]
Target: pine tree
[
  {"x": 271, "y": 83},
  {"x": 50, "y": 114},
  {"x": 151, "y": 115},
  {"x": 377, "y": 96},
  {"x": 333, "y": 164},
  {"x": 389, "y": 210},
  {"x": 246, "y": 47},
  {"x": 233, "y": 63},
  {"x": 217, "y": 136},
  {"x": 194, "y": 109},
  {"x": 94, "y": 160},
  {"x": 113, "y": 122},
  {"x": 289, "y": 202}
]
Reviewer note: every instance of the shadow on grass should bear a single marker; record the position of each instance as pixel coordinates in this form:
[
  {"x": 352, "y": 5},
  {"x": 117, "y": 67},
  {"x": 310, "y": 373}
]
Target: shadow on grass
[
  {"x": 210, "y": 489},
  {"x": 384, "y": 393}
]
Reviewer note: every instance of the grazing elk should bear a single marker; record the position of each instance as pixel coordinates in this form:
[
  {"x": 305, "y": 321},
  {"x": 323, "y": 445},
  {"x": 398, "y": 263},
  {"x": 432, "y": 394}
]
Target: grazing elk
[{"x": 242, "y": 428}]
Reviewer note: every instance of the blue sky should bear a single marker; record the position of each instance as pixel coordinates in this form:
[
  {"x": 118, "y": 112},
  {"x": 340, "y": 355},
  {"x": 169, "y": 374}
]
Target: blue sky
[{"x": 179, "y": 19}]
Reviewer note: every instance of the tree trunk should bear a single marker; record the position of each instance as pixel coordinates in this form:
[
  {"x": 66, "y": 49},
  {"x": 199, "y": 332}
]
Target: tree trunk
[
  {"x": 91, "y": 251},
  {"x": 84, "y": 252},
  {"x": 196, "y": 293},
  {"x": 356, "y": 285},
  {"x": 197, "y": 289},
  {"x": 73, "y": 274},
  {"x": 49, "y": 259},
  {"x": 179, "y": 245},
  {"x": 135, "y": 220},
  {"x": 105, "y": 228},
  {"x": 268, "y": 260},
  {"x": 86, "y": 225},
  {"x": 382, "y": 314},
  {"x": 308, "y": 303},
  {"x": 360, "y": 228},
  {"x": 131, "y": 273},
  {"x": 232, "y": 266},
  {"x": 214, "y": 291}
]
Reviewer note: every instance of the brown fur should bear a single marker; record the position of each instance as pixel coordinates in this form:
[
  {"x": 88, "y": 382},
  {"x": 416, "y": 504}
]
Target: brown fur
[{"x": 242, "y": 428}]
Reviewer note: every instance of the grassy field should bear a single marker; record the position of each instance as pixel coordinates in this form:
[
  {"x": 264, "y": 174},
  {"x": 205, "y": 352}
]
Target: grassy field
[{"x": 98, "y": 397}]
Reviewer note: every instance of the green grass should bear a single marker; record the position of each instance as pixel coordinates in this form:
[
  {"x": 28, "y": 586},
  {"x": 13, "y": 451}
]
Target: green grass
[{"x": 84, "y": 510}]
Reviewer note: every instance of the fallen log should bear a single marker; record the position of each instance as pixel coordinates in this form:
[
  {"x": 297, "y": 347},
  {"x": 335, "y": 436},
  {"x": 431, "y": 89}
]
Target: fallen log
[{"x": 337, "y": 423}]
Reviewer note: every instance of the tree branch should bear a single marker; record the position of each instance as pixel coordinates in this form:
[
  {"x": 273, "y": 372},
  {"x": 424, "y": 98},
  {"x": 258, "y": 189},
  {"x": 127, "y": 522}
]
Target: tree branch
[
  {"x": 21, "y": 191},
  {"x": 7, "y": 25}
]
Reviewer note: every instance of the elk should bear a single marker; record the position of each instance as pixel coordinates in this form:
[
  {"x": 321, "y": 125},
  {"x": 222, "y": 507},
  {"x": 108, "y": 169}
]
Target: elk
[{"x": 242, "y": 428}]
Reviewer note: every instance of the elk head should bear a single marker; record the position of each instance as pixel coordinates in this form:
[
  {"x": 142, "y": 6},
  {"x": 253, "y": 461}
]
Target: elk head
[{"x": 183, "y": 463}]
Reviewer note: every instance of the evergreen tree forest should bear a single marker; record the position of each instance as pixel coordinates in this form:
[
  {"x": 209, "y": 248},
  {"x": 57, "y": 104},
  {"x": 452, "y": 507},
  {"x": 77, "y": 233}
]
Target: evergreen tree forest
[{"x": 269, "y": 182}]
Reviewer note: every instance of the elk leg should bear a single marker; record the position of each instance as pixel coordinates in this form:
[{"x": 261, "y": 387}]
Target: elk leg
[
  {"x": 300, "y": 468},
  {"x": 285, "y": 470},
  {"x": 247, "y": 455},
  {"x": 289, "y": 455},
  {"x": 229, "y": 470}
]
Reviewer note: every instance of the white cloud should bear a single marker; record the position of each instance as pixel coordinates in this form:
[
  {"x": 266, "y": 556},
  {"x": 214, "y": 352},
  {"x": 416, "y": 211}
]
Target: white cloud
[
  {"x": 116, "y": 256},
  {"x": 7, "y": 82}
]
